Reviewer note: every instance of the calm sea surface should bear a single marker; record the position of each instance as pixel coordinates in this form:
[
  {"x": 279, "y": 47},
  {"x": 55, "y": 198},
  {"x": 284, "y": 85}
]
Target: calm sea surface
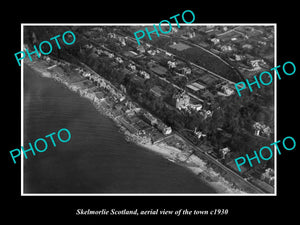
[{"x": 97, "y": 159}]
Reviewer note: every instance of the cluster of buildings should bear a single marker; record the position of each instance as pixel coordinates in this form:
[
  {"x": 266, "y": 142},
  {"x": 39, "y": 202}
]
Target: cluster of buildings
[
  {"x": 268, "y": 176},
  {"x": 183, "y": 102},
  {"x": 119, "y": 38},
  {"x": 102, "y": 83},
  {"x": 261, "y": 130},
  {"x": 238, "y": 43}
]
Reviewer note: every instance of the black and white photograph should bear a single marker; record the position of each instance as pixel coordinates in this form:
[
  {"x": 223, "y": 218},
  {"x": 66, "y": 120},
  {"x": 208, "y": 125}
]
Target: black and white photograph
[{"x": 148, "y": 116}]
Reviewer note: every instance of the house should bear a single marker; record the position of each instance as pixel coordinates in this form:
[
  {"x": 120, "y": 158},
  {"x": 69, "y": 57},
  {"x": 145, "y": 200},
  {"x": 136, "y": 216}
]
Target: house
[
  {"x": 207, "y": 114},
  {"x": 191, "y": 34},
  {"x": 119, "y": 60},
  {"x": 112, "y": 35},
  {"x": 168, "y": 54},
  {"x": 47, "y": 58},
  {"x": 149, "y": 118},
  {"x": 224, "y": 152},
  {"x": 151, "y": 52},
  {"x": 215, "y": 40},
  {"x": 88, "y": 46},
  {"x": 199, "y": 134},
  {"x": 123, "y": 88},
  {"x": 122, "y": 40},
  {"x": 86, "y": 75},
  {"x": 182, "y": 101},
  {"x": 228, "y": 91},
  {"x": 226, "y": 48},
  {"x": 262, "y": 43},
  {"x": 132, "y": 67},
  {"x": 145, "y": 74},
  {"x": 141, "y": 49},
  {"x": 121, "y": 97},
  {"x": 186, "y": 70},
  {"x": 174, "y": 30},
  {"x": 238, "y": 57},
  {"x": 196, "y": 107},
  {"x": 261, "y": 129},
  {"x": 99, "y": 51},
  {"x": 254, "y": 63},
  {"x": 164, "y": 128},
  {"x": 110, "y": 55},
  {"x": 171, "y": 64},
  {"x": 268, "y": 176}
]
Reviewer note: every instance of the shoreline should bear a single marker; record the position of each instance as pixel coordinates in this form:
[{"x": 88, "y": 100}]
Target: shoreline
[{"x": 192, "y": 162}]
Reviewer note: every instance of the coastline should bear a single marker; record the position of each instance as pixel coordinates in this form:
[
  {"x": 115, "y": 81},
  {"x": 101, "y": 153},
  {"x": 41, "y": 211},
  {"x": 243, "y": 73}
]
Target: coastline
[{"x": 191, "y": 162}]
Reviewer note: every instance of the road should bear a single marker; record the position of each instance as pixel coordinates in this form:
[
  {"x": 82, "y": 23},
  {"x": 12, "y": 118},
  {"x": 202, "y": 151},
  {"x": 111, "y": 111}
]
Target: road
[{"x": 231, "y": 172}]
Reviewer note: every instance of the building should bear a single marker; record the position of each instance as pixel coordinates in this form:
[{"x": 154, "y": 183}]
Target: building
[
  {"x": 207, "y": 114},
  {"x": 141, "y": 49},
  {"x": 261, "y": 129},
  {"x": 238, "y": 57},
  {"x": 196, "y": 107},
  {"x": 268, "y": 176},
  {"x": 186, "y": 70},
  {"x": 121, "y": 97},
  {"x": 227, "y": 90},
  {"x": 153, "y": 52},
  {"x": 86, "y": 75},
  {"x": 144, "y": 74},
  {"x": 171, "y": 64},
  {"x": 47, "y": 58},
  {"x": 174, "y": 30},
  {"x": 122, "y": 40},
  {"x": 168, "y": 54},
  {"x": 215, "y": 40},
  {"x": 132, "y": 67},
  {"x": 226, "y": 48},
  {"x": 149, "y": 118},
  {"x": 119, "y": 60},
  {"x": 110, "y": 55},
  {"x": 182, "y": 101},
  {"x": 199, "y": 134},
  {"x": 112, "y": 35},
  {"x": 224, "y": 152},
  {"x": 164, "y": 128}
]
